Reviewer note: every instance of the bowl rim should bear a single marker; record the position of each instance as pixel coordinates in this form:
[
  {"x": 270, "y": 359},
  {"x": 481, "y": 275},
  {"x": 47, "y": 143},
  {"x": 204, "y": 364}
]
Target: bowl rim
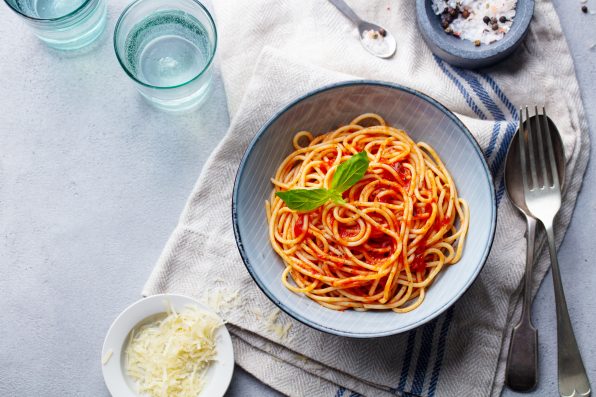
[
  {"x": 477, "y": 54},
  {"x": 326, "y": 328}
]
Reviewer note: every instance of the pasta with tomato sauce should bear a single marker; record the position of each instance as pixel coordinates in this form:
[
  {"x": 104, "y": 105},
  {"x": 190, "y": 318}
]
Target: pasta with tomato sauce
[{"x": 379, "y": 243}]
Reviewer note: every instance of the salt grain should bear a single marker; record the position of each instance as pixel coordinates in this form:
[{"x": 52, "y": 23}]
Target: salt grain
[
  {"x": 473, "y": 27},
  {"x": 375, "y": 42}
]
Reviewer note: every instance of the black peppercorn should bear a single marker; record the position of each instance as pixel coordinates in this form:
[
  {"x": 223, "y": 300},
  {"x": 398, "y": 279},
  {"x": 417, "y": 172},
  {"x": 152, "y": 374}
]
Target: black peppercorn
[
  {"x": 465, "y": 14},
  {"x": 382, "y": 32},
  {"x": 477, "y": 43},
  {"x": 486, "y": 20},
  {"x": 584, "y": 9},
  {"x": 452, "y": 12},
  {"x": 444, "y": 24},
  {"x": 495, "y": 26},
  {"x": 503, "y": 19},
  {"x": 493, "y": 20}
]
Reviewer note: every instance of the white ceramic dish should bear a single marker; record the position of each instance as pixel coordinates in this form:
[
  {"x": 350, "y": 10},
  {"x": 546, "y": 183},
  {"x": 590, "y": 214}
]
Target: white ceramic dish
[{"x": 218, "y": 376}]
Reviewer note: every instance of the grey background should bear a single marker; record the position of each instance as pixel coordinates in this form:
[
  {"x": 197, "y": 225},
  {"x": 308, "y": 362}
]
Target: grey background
[{"x": 92, "y": 181}]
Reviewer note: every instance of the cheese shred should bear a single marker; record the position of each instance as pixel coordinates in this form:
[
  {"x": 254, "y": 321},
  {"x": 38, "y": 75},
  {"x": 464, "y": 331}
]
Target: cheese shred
[
  {"x": 106, "y": 357},
  {"x": 276, "y": 327},
  {"x": 169, "y": 357}
]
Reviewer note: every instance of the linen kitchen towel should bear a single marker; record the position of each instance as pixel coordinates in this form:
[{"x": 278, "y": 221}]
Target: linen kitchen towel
[{"x": 273, "y": 52}]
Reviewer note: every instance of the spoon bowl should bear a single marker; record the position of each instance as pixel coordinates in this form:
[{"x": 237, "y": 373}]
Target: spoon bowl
[{"x": 376, "y": 40}]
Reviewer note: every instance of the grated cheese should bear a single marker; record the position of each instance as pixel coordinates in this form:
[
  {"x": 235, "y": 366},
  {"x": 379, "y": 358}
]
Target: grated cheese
[
  {"x": 273, "y": 325},
  {"x": 258, "y": 313},
  {"x": 106, "y": 357},
  {"x": 223, "y": 300},
  {"x": 169, "y": 357}
]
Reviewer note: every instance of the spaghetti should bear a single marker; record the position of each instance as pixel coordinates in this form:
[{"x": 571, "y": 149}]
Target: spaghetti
[{"x": 400, "y": 225}]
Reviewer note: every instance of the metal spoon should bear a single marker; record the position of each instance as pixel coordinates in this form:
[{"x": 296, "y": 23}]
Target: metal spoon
[
  {"x": 522, "y": 361},
  {"x": 375, "y": 39}
]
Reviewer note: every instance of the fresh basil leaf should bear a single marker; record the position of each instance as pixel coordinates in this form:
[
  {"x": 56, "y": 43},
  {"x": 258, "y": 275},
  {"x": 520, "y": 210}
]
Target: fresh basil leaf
[
  {"x": 336, "y": 197},
  {"x": 350, "y": 172},
  {"x": 305, "y": 199},
  {"x": 347, "y": 175}
]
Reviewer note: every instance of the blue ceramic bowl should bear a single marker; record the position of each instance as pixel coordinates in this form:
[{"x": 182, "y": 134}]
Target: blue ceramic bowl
[
  {"x": 464, "y": 53},
  {"x": 320, "y": 111}
]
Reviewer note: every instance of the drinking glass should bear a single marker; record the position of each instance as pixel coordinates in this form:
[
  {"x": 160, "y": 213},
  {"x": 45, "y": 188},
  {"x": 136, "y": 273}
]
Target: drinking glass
[
  {"x": 63, "y": 24},
  {"x": 167, "y": 47}
]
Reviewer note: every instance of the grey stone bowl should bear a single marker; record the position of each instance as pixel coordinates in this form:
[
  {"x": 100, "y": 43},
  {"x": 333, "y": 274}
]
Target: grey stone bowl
[{"x": 464, "y": 53}]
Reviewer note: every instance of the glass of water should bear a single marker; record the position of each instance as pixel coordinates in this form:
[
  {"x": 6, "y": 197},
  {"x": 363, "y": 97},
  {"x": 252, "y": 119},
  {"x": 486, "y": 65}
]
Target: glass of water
[
  {"x": 63, "y": 24},
  {"x": 167, "y": 47}
]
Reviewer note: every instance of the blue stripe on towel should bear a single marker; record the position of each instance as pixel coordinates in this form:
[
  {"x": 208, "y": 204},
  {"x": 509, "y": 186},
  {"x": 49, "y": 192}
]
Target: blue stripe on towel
[
  {"x": 340, "y": 392},
  {"x": 497, "y": 90},
  {"x": 434, "y": 378},
  {"x": 488, "y": 102},
  {"x": 461, "y": 88},
  {"x": 499, "y": 159},
  {"x": 500, "y": 191},
  {"x": 405, "y": 369},
  {"x": 482, "y": 94},
  {"x": 423, "y": 357}
]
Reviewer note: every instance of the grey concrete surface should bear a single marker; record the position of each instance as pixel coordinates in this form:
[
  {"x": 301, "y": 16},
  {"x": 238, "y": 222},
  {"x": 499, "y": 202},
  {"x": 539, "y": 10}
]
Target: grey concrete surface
[{"x": 92, "y": 181}]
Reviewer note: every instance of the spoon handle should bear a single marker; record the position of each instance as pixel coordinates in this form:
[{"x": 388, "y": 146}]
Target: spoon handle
[
  {"x": 347, "y": 11},
  {"x": 573, "y": 380},
  {"x": 521, "y": 372}
]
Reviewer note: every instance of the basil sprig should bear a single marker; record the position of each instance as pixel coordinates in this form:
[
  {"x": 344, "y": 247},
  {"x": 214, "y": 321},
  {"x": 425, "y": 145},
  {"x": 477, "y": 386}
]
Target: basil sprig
[{"x": 346, "y": 175}]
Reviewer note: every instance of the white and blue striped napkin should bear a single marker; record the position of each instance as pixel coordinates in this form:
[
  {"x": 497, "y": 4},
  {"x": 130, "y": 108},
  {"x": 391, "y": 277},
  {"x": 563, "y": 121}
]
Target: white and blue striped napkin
[{"x": 267, "y": 54}]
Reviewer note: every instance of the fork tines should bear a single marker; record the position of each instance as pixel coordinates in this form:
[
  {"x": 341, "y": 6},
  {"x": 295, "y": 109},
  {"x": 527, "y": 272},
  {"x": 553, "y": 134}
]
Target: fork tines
[{"x": 534, "y": 132}]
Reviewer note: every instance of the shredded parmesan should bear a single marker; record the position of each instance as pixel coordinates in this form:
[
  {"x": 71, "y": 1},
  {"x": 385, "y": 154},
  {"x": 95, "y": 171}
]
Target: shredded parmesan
[
  {"x": 106, "y": 357},
  {"x": 169, "y": 357},
  {"x": 274, "y": 326},
  {"x": 309, "y": 364},
  {"x": 258, "y": 313},
  {"x": 223, "y": 300}
]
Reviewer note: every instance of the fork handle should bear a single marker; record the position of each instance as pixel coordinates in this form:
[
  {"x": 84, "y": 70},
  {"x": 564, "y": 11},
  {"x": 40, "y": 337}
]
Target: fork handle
[
  {"x": 573, "y": 380},
  {"x": 521, "y": 372}
]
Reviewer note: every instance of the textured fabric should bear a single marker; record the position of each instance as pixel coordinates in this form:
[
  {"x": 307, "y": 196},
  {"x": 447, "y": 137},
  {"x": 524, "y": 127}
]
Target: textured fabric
[{"x": 272, "y": 52}]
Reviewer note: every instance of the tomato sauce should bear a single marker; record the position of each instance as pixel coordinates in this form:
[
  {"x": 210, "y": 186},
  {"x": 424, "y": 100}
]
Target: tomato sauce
[
  {"x": 422, "y": 213},
  {"x": 403, "y": 173},
  {"x": 376, "y": 232},
  {"x": 419, "y": 264},
  {"x": 299, "y": 226},
  {"x": 440, "y": 223},
  {"x": 350, "y": 231}
]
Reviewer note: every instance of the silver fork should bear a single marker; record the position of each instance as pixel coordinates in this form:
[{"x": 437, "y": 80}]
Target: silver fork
[{"x": 542, "y": 192}]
